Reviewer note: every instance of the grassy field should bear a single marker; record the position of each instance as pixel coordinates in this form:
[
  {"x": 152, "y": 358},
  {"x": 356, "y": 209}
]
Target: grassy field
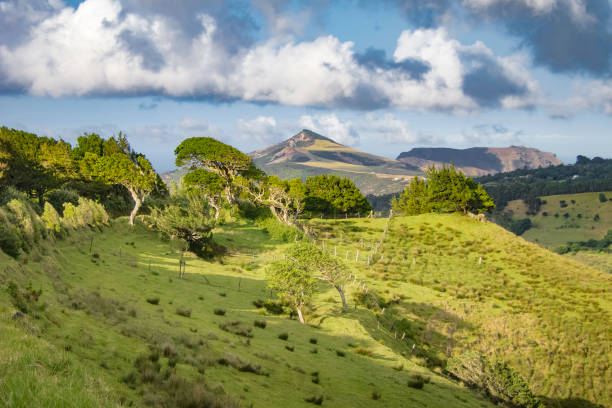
[
  {"x": 556, "y": 228},
  {"x": 469, "y": 286},
  {"x": 115, "y": 326}
]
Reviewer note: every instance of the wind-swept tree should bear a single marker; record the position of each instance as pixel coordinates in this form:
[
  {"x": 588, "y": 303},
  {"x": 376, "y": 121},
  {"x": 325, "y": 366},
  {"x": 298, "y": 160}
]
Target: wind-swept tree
[
  {"x": 137, "y": 176},
  {"x": 189, "y": 218},
  {"x": 210, "y": 184},
  {"x": 220, "y": 158},
  {"x": 293, "y": 279}
]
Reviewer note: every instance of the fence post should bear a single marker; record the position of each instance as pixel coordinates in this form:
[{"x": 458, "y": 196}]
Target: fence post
[{"x": 357, "y": 256}]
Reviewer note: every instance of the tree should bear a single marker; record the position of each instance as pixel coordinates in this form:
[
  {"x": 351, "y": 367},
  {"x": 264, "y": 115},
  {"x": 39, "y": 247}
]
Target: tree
[
  {"x": 293, "y": 279},
  {"x": 220, "y": 158},
  {"x": 413, "y": 200},
  {"x": 445, "y": 190},
  {"x": 330, "y": 194},
  {"x": 208, "y": 183},
  {"x": 331, "y": 270},
  {"x": 189, "y": 218},
  {"x": 137, "y": 176}
]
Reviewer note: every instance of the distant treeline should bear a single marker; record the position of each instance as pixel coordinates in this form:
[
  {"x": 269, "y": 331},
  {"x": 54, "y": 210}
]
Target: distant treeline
[
  {"x": 585, "y": 176},
  {"x": 600, "y": 245}
]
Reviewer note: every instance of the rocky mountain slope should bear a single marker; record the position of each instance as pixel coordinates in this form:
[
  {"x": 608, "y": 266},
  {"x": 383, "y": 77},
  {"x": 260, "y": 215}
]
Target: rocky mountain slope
[
  {"x": 308, "y": 154},
  {"x": 479, "y": 161}
]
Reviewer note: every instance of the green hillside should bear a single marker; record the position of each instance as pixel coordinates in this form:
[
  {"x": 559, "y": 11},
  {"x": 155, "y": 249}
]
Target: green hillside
[
  {"x": 115, "y": 324},
  {"x": 108, "y": 329},
  {"x": 551, "y": 226}
]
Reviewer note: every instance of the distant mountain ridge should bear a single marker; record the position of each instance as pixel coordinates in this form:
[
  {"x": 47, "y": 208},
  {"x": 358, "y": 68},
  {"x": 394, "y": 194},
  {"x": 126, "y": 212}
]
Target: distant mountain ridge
[
  {"x": 480, "y": 161},
  {"x": 308, "y": 154}
]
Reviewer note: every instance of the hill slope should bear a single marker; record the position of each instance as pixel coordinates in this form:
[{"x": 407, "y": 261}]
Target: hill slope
[
  {"x": 478, "y": 161},
  {"x": 115, "y": 326},
  {"x": 468, "y": 286},
  {"x": 565, "y": 218},
  {"x": 308, "y": 153}
]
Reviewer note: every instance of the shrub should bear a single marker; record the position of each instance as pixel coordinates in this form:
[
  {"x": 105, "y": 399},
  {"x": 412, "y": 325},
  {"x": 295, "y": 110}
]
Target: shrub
[
  {"x": 237, "y": 327},
  {"x": 10, "y": 241},
  {"x": 315, "y": 399},
  {"x": 562, "y": 204},
  {"x": 283, "y": 336},
  {"x": 153, "y": 300},
  {"x": 602, "y": 198},
  {"x": 183, "y": 312},
  {"x": 219, "y": 312},
  {"x": 375, "y": 395},
  {"x": 274, "y": 306},
  {"x": 596, "y": 217},
  {"x": 276, "y": 230},
  {"x": 520, "y": 226},
  {"x": 495, "y": 378},
  {"x": 290, "y": 348},
  {"x": 238, "y": 363},
  {"x": 259, "y": 303},
  {"x": 362, "y": 351},
  {"x": 313, "y": 340},
  {"x": 340, "y": 353},
  {"x": 416, "y": 382},
  {"x": 58, "y": 197},
  {"x": 51, "y": 219},
  {"x": 260, "y": 323},
  {"x": 315, "y": 377}
]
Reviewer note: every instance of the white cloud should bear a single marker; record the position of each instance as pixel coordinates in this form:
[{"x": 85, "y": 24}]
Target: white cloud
[
  {"x": 102, "y": 48},
  {"x": 589, "y": 95},
  {"x": 577, "y": 8},
  {"x": 262, "y": 129}
]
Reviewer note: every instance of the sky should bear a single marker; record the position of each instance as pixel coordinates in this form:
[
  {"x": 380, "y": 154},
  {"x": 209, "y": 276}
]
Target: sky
[{"x": 380, "y": 76}]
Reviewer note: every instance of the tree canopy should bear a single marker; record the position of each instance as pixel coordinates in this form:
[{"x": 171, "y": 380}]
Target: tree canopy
[
  {"x": 210, "y": 184},
  {"x": 137, "y": 176},
  {"x": 220, "y": 158},
  {"x": 330, "y": 194},
  {"x": 444, "y": 190}
]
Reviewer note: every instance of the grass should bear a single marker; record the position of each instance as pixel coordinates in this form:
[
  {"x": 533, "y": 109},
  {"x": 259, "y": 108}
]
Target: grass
[
  {"x": 88, "y": 310},
  {"x": 432, "y": 297},
  {"x": 579, "y": 225}
]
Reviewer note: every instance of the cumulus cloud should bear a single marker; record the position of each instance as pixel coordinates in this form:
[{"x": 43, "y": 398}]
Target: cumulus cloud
[
  {"x": 105, "y": 47},
  {"x": 262, "y": 129},
  {"x": 593, "y": 95},
  {"x": 331, "y": 126},
  {"x": 563, "y": 35},
  {"x": 491, "y": 135}
]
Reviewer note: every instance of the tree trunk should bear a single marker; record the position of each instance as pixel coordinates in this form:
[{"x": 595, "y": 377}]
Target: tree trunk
[
  {"x": 214, "y": 205},
  {"x": 228, "y": 195},
  {"x": 299, "y": 312},
  {"x": 275, "y": 213},
  {"x": 137, "y": 204},
  {"x": 341, "y": 292}
]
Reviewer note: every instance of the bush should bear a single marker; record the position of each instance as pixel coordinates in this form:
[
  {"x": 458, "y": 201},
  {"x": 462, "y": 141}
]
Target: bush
[
  {"x": 238, "y": 363},
  {"x": 10, "y": 241},
  {"x": 274, "y": 306},
  {"x": 495, "y": 378},
  {"x": 315, "y": 399},
  {"x": 520, "y": 226},
  {"x": 313, "y": 340},
  {"x": 283, "y": 336},
  {"x": 260, "y": 323},
  {"x": 153, "y": 300},
  {"x": 51, "y": 219},
  {"x": 340, "y": 353},
  {"x": 58, "y": 197},
  {"x": 183, "y": 312},
  {"x": 417, "y": 381},
  {"x": 237, "y": 327},
  {"x": 375, "y": 395},
  {"x": 290, "y": 348},
  {"x": 219, "y": 312},
  {"x": 602, "y": 198},
  {"x": 278, "y": 231}
]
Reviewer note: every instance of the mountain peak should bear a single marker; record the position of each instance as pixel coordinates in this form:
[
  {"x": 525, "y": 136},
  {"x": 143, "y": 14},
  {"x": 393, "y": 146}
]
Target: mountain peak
[{"x": 307, "y": 135}]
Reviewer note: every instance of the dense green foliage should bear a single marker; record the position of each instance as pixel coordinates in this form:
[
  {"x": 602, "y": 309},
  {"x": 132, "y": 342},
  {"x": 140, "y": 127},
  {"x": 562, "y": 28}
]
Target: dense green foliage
[
  {"x": 495, "y": 378},
  {"x": 187, "y": 217},
  {"x": 600, "y": 245},
  {"x": 444, "y": 190},
  {"x": 328, "y": 194},
  {"x": 586, "y": 175},
  {"x": 54, "y": 171}
]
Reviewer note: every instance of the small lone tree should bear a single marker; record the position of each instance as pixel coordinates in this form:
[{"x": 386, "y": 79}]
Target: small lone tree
[
  {"x": 211, "y": 185},
  {"x": 137, "y": 176},
  {"x": 220, "y": 158},
  {"x": 293, "y": 279},
  {"x": 188, "y": 218}
]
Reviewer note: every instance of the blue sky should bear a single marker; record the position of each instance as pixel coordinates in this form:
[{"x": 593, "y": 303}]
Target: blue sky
[{"x": 383, "y": 77}]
